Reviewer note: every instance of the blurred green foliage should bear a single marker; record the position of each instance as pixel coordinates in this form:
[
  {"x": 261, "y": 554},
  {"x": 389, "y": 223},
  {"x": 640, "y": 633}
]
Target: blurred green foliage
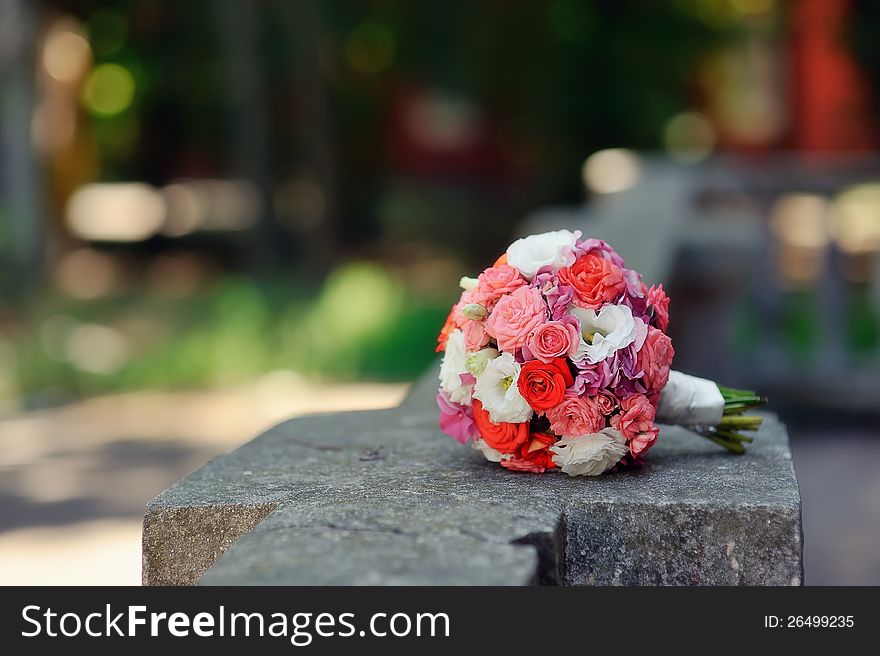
[{"x": 363, "y": 323}]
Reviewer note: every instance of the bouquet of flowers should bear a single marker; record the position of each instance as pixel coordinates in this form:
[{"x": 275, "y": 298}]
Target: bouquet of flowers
[{"x": 557, "y": 357}]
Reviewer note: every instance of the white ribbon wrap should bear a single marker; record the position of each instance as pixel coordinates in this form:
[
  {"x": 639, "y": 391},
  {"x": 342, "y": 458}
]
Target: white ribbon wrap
[{"x": 690, "y": 401}]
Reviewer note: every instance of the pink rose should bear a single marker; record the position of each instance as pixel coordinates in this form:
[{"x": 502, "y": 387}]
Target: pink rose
[
  {"x": 554, "y": 339},
  {"x": 576, "y": 416},
  {"x": 654, "y": 359},
  {"x": 636, "y": 416},
  {"x": 643, "y": 441},
  {"x": 475, "y": 335},
  {"x": 456, "y": 420},
  {"x": 659, "y": 302},
  {"x": 497, "y": 281},
  {"x": 606, "y": 401},
  {"x": 516, "y": 316}
]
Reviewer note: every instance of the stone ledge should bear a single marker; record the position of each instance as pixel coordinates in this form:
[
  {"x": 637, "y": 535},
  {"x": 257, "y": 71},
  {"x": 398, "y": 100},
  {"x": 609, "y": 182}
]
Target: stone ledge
[{"x": 383, "y": 497}]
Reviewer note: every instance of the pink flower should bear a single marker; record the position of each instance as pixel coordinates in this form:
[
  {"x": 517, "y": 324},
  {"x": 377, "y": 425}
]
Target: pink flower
[
  {"x": 654, "y": 359},
  {"x": 592, "y": 377},
  {"x": 516, "y": 316},
  {"x": 659, "y": 301},
  {"x": 554, "y": 339},
  {"x": 475, "y": 335},
  {"x": 643, "y": 441},
  {"x": 456, "y": 420},
  {"x": 576, "y": 416},
  {"x": 497, "y": 281},
  {"x": 636, "y": 416},
  {"x": 606, "y": 401},
  {"x": 600, "y": 248}
]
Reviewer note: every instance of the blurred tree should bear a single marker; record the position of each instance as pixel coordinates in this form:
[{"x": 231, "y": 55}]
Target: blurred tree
[{"x": 21, "y": 212}]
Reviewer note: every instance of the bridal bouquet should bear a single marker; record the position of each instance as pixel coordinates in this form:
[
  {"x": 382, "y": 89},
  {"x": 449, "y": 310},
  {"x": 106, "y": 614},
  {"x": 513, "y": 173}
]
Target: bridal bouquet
[{"x": 557, "y": 356}]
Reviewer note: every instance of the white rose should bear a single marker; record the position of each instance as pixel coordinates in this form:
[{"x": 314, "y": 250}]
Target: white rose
[
  {"x": 590, "y": 455},
  {"x": 492, "y": 455},
  {"x": 454, "y": 364},
  {"x": 614, "y": 327},
  {"x": 497, "y": 391},
  {"x": 531, "y": 253}
]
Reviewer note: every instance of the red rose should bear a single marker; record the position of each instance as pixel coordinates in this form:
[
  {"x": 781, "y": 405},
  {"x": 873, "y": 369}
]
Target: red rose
[
  {"x": 533, "y": 456},
  {"x": 503, "y": 437},
  {"x": 595, "y": 281},
  {"x": 542, "y": 384}
]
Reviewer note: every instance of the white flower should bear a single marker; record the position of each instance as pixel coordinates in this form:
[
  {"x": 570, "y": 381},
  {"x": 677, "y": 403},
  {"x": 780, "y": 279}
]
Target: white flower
[
  {"x": 476, "y": 362},
  {"x": 603, "y": 333},
  {"x": 497, "y": 391},
  {"x": 590, "y": 455},
  {"x": 468, "y": 284},
  {"x": 531, "y": 253},
  {"x": 492, "y": 455},
  {"x": 454, "y": 364}
]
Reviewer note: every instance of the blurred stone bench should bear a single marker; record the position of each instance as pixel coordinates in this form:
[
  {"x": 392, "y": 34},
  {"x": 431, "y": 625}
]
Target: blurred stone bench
[{"x": 383, "y": 497}]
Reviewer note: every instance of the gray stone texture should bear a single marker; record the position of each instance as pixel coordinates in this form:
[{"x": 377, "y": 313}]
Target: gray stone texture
[{"x": 383, "y": 497}]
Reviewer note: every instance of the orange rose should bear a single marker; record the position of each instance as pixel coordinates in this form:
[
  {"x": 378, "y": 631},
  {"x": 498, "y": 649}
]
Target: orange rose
[
  {"x": 502, "y": 437},
  {"x": 595, "y": 281},
  {"x": 448, "y": 329},
  {"x": 543, "y": 385}
]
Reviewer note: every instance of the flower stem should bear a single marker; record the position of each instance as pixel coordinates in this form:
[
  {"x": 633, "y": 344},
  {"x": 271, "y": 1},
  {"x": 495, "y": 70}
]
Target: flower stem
[
  {"x": 743, "y": 422},
  {"x": 731, "y": 445}
]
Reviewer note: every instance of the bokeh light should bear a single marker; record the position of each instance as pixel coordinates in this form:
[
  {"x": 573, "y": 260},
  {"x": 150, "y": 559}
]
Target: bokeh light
[
  {"x": 800, "y": 220},
  {"x": 611, "y": 171},
  {"x": 855, "y": 219},
  {"x": 66, "y": 53},
  {"x": 109, "y": 90},
  {"x": 122, "y": 212},
  {"x": 689, "y": 137}
]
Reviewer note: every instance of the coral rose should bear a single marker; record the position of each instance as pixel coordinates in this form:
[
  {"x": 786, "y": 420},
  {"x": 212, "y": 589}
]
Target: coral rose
[
  {"x": 475, "y": 335},
  {"x": 496, "y": 281},
  {"x": 503, "y": 437},
  {"x": 576, "y": 416},
  {"x": 516, "y": 316},
  {"x": 636, "y": 416},
  {"x": 659, "y": 303},
  {"x": 643, "y": 441},
  {"x": 543, "y": 384},
  {"x": 555, "y": 339},
  {"x": 606, "y": 401},
  {"x": 534, "y": 456},
  {"x": 654, "y": 359},
  {"x": 594, "y": 279}
]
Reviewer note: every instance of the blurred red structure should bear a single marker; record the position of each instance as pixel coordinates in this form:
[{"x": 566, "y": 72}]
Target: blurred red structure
[{"x": 828, "y": 92}]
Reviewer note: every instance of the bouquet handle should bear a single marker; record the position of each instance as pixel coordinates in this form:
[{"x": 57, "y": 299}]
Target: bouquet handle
[{"x": 709, "y": 409}]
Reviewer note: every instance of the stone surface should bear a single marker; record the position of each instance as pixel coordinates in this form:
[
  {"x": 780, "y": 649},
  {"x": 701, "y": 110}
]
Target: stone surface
[{"x": 383, "y": 497}]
